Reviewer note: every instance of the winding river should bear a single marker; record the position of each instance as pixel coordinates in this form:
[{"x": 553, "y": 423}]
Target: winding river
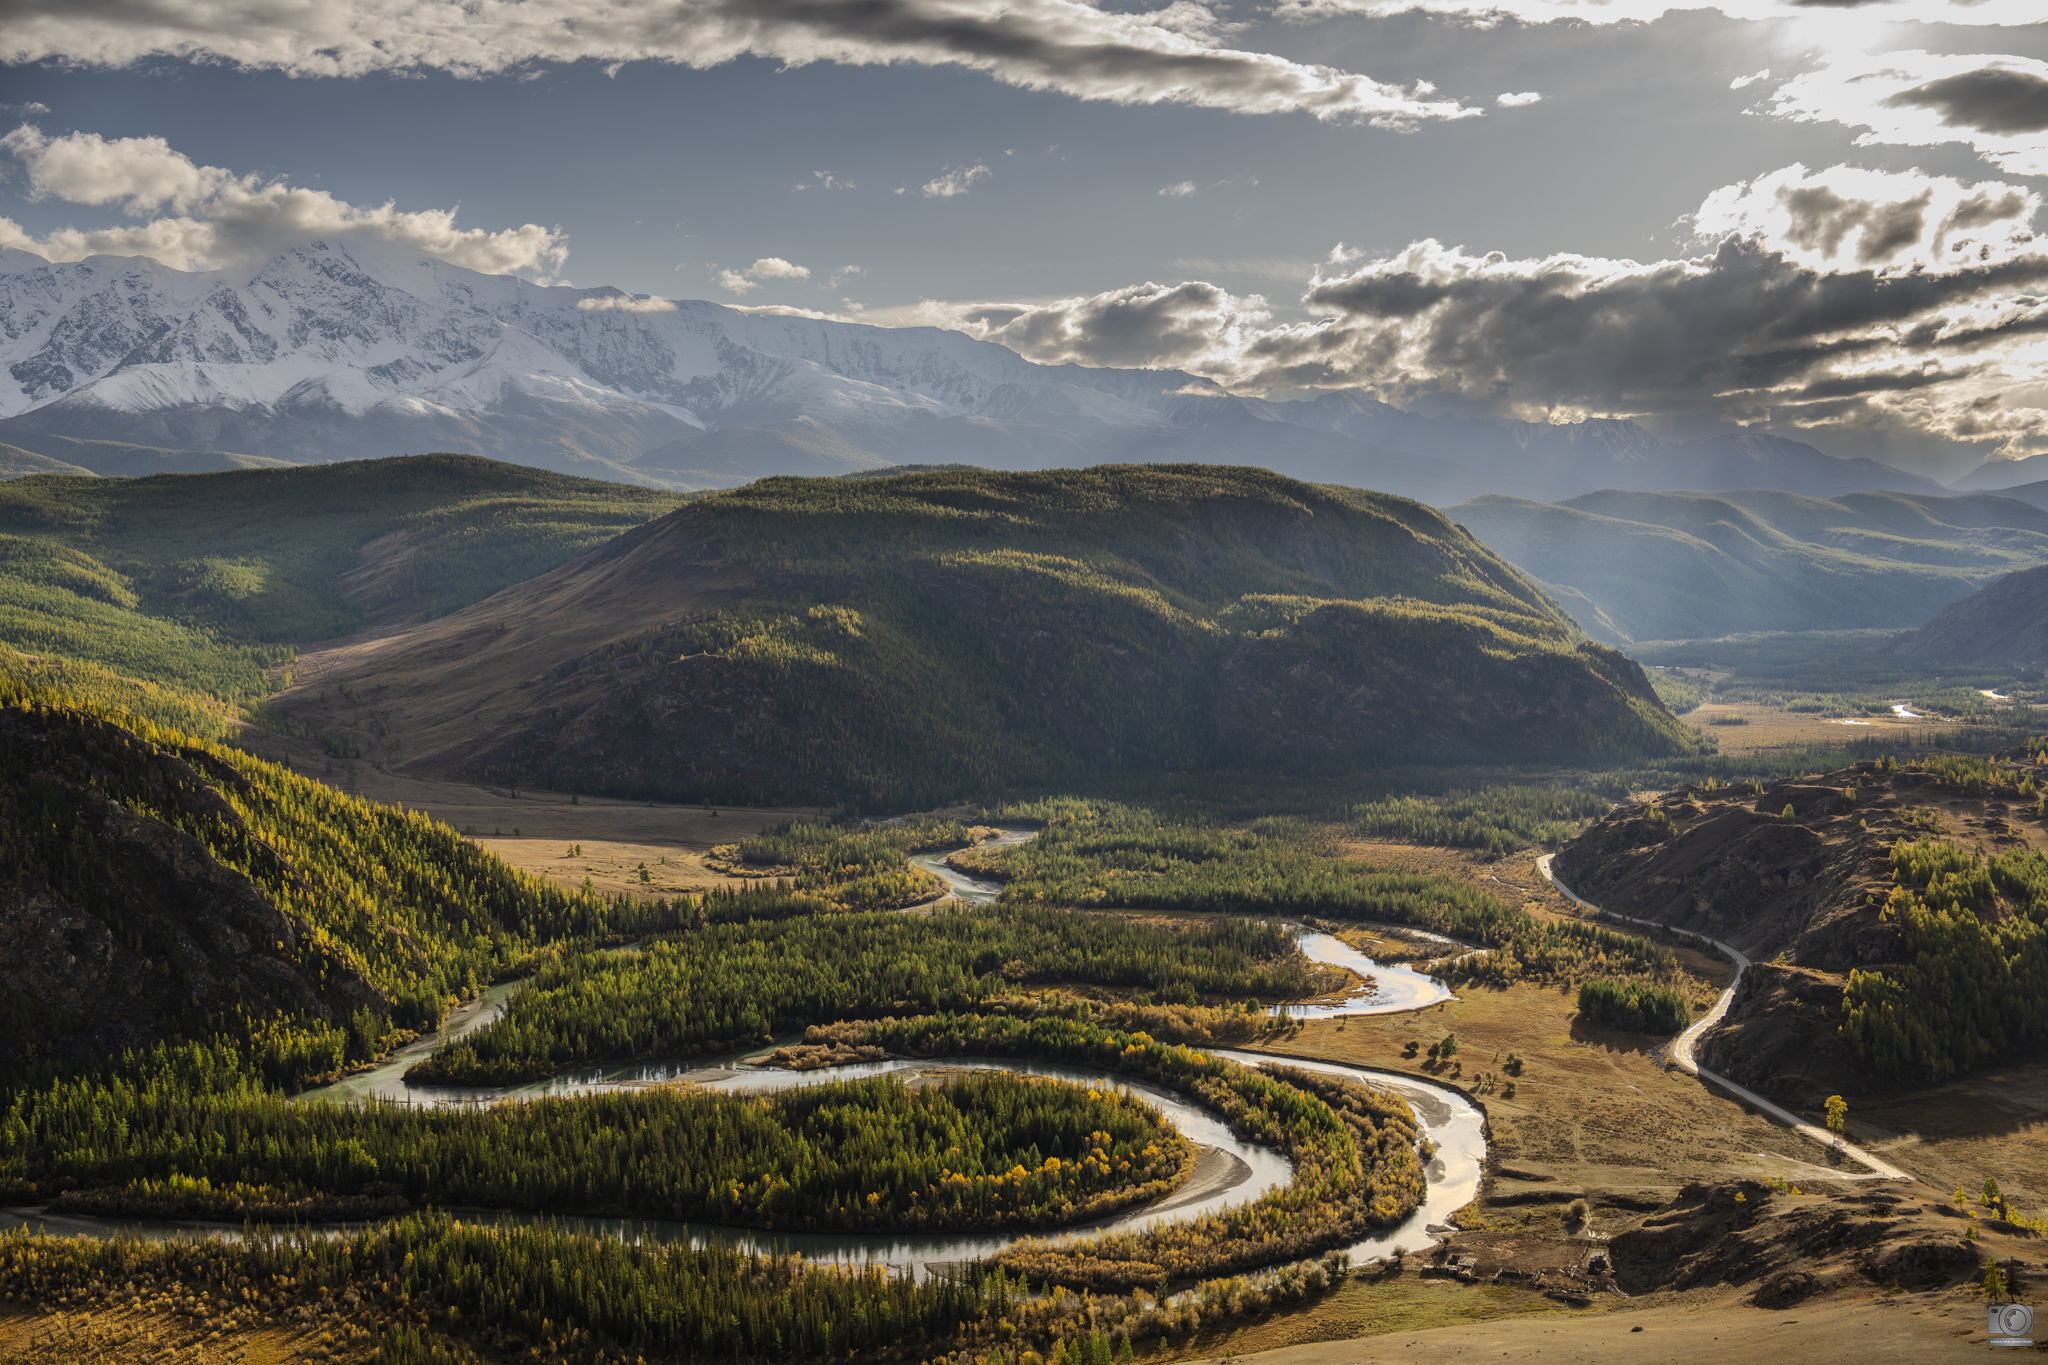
[{"x": 1229, "y": 1171}]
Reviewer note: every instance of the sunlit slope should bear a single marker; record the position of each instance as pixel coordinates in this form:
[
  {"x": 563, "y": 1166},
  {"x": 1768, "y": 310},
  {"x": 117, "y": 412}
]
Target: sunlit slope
[
  {"x": 938, "y": 634},
  {"x": 200, "y": 580},
  {"x": 1661, "y": 566}
]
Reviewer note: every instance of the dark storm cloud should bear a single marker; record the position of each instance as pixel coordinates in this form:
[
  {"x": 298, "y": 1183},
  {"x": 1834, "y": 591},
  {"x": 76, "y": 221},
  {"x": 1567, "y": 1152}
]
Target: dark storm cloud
[
  {"x": 1822, "y": 220},
  {"x": 1145, "y": 325},
  {"x": 1166, "y": 56},
  {"x": 1990, "y": 100},
  {"x": 1672, "y": 336}
]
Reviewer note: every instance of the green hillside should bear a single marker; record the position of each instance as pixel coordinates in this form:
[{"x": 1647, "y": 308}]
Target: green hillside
[
  {"x": 167, "y": 888},
  {"x": 910, "y": 639},
  {"x": 16, "y": 462},
  {"x": 202, "y": 580},
  {"x": 1669, "y": 566}
]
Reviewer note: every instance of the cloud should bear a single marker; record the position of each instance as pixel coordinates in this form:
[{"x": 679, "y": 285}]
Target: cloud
[
  {"x": 784, "y": 310},
  {"x": 1743, "y": 82},
  {"x": 140, "y": 173},
  {"x": 1889, "y": 220},
  {"x": 219, "y": 219},
  {"x": 824, "y": 180},
  {"x": 624, "y": 303},
  {"x": 1992, "y": 99},
  {"x": 1171, "y": 56},
  {"x": 955, "y": 182},
  {"x": 765, "y": 268},
  {"x": 1517, "y": 101},
  {"x": 1185, "y": 325},
  {"x": 1841, "y": 300},
  {"x": 1183, "y": 190},
  {"x": 1997, "y": 105},
  {"x": 1490, "y": 12},
  {"x": 843, "y": 274},
  {"x": 775, "y": 268}
]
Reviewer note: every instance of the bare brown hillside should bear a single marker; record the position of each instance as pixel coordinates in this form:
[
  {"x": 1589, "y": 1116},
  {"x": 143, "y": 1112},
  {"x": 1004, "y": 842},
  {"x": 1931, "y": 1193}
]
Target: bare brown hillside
[
  {"x": 464, "y": 695},
  {"x": 1799, "y": 893}
]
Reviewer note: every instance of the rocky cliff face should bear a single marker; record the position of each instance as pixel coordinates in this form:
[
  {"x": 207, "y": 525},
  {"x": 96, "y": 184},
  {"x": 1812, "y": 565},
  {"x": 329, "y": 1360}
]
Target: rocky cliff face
[{"x": 114, "y": 922}]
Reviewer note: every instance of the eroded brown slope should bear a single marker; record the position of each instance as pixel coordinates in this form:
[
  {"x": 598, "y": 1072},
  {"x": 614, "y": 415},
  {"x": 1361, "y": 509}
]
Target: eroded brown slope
[
  {"x": 487, "y": 691},
  {"x": 1801, "y": 895}
]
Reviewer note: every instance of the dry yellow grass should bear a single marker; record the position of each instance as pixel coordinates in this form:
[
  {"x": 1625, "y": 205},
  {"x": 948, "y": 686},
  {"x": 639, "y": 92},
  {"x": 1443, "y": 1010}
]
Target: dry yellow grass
[
  {"x": 1768, "y": 727},
  {"x": 110, "y": 1335}
]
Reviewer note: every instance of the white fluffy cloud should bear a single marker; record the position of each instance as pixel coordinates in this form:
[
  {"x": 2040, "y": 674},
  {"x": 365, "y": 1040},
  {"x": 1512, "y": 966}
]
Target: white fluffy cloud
[
  {"x": 750, "y": 278},
  {"x": 1184, "y": 189},
  {"x": 1842, "y": 299},
  {"x": 1847, "y": 216},
  {"x": 955, "y": 181},
  {"x": 218, "y": 219},
  {"x": 1172, "y": 55},
  {"x": 1997, "y": 105},
  {"x": 624, "y": 303}
]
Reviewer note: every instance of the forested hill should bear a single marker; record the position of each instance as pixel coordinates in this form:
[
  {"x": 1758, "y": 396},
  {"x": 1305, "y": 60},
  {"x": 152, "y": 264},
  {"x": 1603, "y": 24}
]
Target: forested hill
[
  {"x": 960, "y": 632},
  {"x": 1896, "y": 914},
  {"x": 199, "y": 581},
  {"x": 156, "y": 888}
]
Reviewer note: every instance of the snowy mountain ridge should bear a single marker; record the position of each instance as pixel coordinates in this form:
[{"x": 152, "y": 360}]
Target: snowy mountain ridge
[{"x": 344, "y": 349}]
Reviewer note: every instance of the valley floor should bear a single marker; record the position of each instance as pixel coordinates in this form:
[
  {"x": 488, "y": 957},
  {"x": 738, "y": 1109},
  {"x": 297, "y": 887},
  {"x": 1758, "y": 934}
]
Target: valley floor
[
  {"x": 534, "y": 829},
  {"x": 1763, "y": 728}
]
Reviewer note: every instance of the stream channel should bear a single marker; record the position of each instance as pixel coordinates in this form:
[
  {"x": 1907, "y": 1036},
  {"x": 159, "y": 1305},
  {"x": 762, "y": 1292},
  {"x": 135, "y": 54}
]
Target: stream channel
[{"x": 1231, "y": 1172}]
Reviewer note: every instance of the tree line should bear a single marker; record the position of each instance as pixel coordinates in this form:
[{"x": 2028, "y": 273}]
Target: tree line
[
  {"x": 1971, "y": 984},
  {"x": 983, "y": 1150},
  {"x": 732, "y": 984}
]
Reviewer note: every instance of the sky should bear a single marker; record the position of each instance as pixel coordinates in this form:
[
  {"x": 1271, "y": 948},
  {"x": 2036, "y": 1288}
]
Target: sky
[{"x": 1819, "y": 220}]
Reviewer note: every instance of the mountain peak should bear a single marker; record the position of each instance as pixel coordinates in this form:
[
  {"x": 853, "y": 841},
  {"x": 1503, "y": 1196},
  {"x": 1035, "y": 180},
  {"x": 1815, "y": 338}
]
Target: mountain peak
[{"x": 345, "y": 347}]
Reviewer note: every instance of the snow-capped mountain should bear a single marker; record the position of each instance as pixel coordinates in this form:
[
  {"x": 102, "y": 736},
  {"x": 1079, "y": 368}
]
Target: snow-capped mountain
[{"x": 341, "y": 350}]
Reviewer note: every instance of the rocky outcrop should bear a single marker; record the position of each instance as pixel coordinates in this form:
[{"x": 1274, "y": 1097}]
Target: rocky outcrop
[
  {"x": 1782, "y": 1037},
  {"x": 1795, "y": 875},
  {"x": 1790, "y": 1247},
  {"x": 1735, "y": 868}
]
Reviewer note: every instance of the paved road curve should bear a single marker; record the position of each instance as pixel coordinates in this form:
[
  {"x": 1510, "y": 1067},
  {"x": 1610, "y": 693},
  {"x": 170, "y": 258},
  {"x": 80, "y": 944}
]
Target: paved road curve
[{"x": 1681, "y": 1048}]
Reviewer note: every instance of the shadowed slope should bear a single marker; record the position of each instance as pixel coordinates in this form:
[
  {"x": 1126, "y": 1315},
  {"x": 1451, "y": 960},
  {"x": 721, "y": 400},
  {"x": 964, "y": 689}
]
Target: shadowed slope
[{"x": 928, "y": 635}]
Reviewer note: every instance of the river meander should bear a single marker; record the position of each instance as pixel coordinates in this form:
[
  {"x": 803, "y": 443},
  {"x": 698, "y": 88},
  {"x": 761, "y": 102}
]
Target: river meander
[{"x": 1230, "y": 1170}]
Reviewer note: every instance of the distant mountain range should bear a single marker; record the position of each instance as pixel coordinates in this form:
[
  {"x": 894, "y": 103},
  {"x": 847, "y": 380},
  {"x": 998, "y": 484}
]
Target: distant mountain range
[
  {"x": 2002, "y": 625},
  {"x": 341, "y": 350},
  {"x": 1635, "y": 567}
]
